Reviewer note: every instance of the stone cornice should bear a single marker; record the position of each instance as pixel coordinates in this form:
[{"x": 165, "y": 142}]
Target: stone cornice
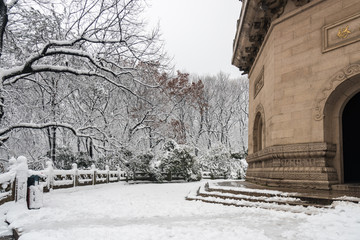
[
  {"x": 280, "y": 20},
  {"x": 253, "y": 25}
]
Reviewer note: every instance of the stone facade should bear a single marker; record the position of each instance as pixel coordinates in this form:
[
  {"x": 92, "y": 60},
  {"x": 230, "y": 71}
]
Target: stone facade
[{"x": 303, "y": 63}]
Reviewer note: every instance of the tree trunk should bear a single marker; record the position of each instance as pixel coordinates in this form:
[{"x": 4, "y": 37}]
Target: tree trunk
[
  {"x": 53, "y": 144},
  {"x": 150, "y": 139},
  {"x": 3, "y": 23},
  {"x": 78, "y": 145},
  {"x": 91, "y": 146},
  {"x": 48, "y": 131}
]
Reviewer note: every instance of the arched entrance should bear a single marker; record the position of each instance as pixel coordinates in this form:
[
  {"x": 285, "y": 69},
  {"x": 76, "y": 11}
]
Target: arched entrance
[
  {"x": 340, "y": 101},
  {"x": 350, "y": 138}
]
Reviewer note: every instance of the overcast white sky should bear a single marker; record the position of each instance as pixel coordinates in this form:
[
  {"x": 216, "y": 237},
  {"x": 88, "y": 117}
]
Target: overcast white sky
[{"x": 198, "y": 33}]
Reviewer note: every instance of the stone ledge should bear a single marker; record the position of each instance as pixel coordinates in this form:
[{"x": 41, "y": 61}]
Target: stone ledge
[
  {"x": 311, "y": 184},
  {"x": 295, "y": 151},
  {"x": 316, "y": 174}
]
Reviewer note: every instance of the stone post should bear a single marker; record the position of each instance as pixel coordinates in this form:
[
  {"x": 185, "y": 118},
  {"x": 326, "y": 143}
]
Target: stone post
[
  {"x": 94, "y": 173},
  {"x": 21, "y": 178},
  {"x": 107, "y": 174},
  {"x": 75, "y": 176},
  {"x": 119, "y": 173},
  {"x": 50, "y": 175},
  {"x": 12, "y": 168}
]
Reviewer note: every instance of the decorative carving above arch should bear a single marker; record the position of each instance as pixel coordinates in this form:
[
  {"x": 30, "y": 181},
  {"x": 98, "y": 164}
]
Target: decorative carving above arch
[
  {"x": 330, "y": 86},
  {"x": 260, "y": 109}
]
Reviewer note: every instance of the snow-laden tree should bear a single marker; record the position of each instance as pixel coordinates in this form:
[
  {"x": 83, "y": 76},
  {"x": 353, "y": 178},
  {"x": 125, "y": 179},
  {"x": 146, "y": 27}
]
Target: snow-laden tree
[
  {"x": 47, "y": 46},
  {"x": 220, "y": 113}
]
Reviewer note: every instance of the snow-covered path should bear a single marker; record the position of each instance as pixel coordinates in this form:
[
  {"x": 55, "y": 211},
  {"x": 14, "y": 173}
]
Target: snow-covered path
[{"x": 159, "y": 211}]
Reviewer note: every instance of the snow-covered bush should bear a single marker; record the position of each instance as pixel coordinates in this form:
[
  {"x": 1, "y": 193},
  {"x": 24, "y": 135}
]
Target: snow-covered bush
[
  {"x": 38, "y": 164},
  {"x": 83, "y": 160},
  {"x": 141, "y": 162},
  {"x": 243, "y": 168},
  {"x": 119, "y": 159},
  {"x": 222, "y": 164},
  {"x": 178, "y": 160},
  {"x": 64, "y": 158}
]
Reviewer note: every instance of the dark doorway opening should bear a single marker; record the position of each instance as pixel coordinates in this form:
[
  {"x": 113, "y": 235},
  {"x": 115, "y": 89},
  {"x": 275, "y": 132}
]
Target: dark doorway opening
[{"x": 351, "y": 140}]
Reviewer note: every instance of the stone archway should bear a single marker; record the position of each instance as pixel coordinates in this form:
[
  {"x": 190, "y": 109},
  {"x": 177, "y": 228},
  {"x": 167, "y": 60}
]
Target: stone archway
[
  {"x": 332, "y": 116},
  {"x": 350, "y": 139},
  {"x": 259, "y": 129}
]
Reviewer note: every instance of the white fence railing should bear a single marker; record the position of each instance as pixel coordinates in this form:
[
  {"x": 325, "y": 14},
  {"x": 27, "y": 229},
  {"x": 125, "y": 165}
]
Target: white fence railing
[{"x": 13, "y": 184}]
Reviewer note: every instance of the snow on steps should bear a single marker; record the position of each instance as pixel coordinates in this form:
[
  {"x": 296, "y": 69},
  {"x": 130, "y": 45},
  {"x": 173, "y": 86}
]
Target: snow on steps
[{"x": 267, "y": 199}]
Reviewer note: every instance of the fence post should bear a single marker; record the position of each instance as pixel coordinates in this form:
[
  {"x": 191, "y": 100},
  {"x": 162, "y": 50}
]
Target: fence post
[
  {"x": 50, "y": 175},
  {"x": 169, "y": 176},
  {"x": 12, "y": 168},
  {"x": 76, "y": 177},
  {"x": 119, "y": 173},
  {"x": 94, "y": 173},
  {"x": 21, "y": 178},
  {"x": 107, "y": 173}
]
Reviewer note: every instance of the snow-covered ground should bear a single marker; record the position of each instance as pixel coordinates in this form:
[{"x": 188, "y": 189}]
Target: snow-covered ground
[{"x": 160, "y": 211}]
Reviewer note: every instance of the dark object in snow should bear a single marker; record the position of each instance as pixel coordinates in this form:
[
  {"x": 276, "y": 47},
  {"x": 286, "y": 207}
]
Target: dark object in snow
[{"x": 34, "y": 193}]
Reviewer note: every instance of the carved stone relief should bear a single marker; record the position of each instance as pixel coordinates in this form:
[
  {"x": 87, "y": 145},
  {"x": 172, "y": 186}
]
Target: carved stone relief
[
  {"x": 259, "y": 83},
  {"x": 294, "y": 164},
  {"x": 341, "y": 33},
  {"x": 295, "y": 152},
  {"x": 330, "y": 86}
]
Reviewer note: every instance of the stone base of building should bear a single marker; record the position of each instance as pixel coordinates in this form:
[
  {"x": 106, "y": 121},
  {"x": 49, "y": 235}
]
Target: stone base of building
[{"x": 305, "y": 165}]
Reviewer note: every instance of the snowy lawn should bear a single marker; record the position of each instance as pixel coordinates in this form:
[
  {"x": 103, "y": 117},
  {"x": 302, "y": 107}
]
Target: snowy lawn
[{"x": 160, "y": 211}]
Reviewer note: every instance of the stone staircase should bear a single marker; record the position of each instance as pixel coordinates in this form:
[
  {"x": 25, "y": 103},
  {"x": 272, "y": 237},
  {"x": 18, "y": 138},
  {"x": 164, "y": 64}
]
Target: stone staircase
[{"x": 250, "y": 195}]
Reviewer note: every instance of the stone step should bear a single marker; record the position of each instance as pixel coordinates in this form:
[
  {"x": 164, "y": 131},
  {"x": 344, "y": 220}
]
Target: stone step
[
  {"x": 257, "y": 204},
  {"x": 258, "y": 195},
  {"x": 263, "y": 198},
  {"x": 273, "y": 199},
  {"x": 315, "y": 199},
  {"x": 244, "y": 191}
]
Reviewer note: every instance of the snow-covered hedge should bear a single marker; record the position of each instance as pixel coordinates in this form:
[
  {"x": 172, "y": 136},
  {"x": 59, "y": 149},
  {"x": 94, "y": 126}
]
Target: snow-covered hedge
[
  {"x": 222, "y": 164},
  {"x": 178, "y": 160},
  {"x": 173, "y": 161}
]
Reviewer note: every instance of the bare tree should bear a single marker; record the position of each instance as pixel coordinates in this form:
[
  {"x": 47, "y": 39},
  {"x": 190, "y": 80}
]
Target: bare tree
[{"x": 102, "y": 39}]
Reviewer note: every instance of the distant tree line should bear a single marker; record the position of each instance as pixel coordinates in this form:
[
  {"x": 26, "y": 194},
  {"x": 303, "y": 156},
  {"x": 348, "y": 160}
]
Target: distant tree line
[{"x": 83, "y": 81}]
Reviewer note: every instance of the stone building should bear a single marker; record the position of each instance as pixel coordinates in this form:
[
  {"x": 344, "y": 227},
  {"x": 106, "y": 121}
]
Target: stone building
[{"x": 303, "y": 62}]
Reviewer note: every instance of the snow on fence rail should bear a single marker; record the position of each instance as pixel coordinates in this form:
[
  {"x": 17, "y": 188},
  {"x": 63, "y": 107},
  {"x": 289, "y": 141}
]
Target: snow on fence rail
[
  {"x": 55, "y": 179},
  {"x": 145, "y": 176},
  {"x": 7, "y": 187},
  {"x": 13, "y": 184}
]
